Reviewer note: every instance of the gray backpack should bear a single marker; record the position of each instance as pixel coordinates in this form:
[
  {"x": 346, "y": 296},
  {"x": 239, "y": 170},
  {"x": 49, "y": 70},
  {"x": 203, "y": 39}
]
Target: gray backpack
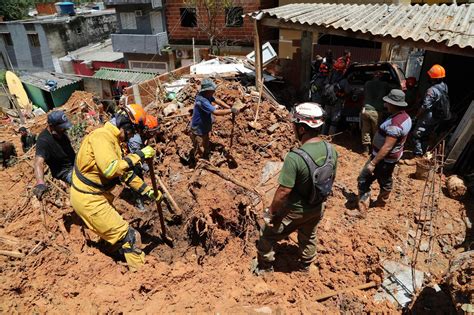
[{"x": 322, "y": 176}]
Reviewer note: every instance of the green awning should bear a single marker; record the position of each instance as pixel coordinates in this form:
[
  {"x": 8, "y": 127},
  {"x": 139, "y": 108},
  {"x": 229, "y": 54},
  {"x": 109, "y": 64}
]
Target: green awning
[{"x": 124, "y": 75}]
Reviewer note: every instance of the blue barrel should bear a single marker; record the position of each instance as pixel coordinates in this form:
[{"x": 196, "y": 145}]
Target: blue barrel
[{"x": 67, "y": 8}]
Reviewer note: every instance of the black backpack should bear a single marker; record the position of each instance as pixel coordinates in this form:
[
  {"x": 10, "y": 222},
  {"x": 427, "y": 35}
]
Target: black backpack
[
  {"x": 442, "y": 107},
  {"x": 321, "y": 176}
]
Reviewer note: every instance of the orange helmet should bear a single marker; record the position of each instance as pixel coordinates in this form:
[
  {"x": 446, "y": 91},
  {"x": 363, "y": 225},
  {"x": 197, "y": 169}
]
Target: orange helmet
[
  {"x": 437, "y": 72},
  {"x": 151, "y": 122},
  {"x": 137, "y": 114}
]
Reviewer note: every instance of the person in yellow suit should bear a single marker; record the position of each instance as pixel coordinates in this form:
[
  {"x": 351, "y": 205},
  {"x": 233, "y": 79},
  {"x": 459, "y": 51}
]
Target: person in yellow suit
[{"x": 99, "y": 166}]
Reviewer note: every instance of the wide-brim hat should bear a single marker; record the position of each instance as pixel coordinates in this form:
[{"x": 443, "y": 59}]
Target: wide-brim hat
[
  {"x": 396, "y": 97},
  {"x": 207, "y": 85}
]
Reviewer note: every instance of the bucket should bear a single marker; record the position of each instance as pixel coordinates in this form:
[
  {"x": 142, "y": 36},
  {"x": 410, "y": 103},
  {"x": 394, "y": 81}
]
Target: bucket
[{"x": 423, "y": 168}]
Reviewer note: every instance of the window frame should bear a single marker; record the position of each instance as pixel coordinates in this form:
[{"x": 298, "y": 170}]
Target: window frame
[{"x": 185, "y": 11}]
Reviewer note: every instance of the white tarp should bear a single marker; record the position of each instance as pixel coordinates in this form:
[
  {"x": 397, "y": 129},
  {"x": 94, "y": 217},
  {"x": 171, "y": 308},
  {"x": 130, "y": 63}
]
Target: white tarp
[{"x": 215, "y": 66}]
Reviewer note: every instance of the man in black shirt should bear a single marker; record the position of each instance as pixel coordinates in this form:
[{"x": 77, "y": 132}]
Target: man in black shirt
[
  {"x": 27, "y": 139},
  {"x": 54, "y": 147}
]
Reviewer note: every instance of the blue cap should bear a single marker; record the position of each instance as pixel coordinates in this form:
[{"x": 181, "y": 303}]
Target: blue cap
[{"x": 58, "y": 118}]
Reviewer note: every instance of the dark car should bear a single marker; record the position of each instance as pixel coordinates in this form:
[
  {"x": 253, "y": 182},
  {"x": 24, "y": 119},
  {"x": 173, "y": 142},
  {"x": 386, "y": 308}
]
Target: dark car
[{"x": 359, "y": 73}]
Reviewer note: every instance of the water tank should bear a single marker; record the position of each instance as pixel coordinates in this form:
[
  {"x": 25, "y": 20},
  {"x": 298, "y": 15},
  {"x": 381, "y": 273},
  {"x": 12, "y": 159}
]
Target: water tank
[{"x": 66, "y": 8}]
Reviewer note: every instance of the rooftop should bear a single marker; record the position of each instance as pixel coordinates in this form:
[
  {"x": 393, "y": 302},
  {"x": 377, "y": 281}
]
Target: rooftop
[
  {"x": 123, "y": 75},
  {"x": 96, "y": 52},
  {"x": 39, "y": 79},
  {"x": 449, "y": 25},
  {"x": 55, "y": 18}
]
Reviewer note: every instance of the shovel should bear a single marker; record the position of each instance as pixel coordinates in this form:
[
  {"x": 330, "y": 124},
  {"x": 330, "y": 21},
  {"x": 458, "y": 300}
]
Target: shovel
[
  {"x": 168, "y": 240},
  {"x": 254, "y": 124}
]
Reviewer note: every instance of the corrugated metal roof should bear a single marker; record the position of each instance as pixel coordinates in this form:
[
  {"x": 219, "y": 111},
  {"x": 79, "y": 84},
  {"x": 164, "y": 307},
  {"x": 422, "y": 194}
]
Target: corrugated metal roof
[
  {"x": 124, "y": 75},
  {"x": 39, "y": 79},
  {"x": 97, "y": 52},
  {"x": 452, "y": 25}
]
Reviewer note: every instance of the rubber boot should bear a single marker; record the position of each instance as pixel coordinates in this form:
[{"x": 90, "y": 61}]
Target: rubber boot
[
  {"x": 382, "y": 199},
  {"x": 362, "y": 207}
]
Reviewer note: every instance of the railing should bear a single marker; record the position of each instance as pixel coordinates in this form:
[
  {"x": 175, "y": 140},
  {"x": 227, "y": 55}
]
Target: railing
[{"x": 139, "y": 43}]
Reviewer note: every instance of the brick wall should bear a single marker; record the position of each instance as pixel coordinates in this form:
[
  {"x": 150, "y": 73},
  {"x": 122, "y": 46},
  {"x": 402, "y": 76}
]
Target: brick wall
[{"x": 242, "y": 35}]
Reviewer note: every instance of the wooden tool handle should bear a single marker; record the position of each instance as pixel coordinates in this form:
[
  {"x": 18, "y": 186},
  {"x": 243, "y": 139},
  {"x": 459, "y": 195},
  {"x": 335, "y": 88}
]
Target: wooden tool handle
[
  {"x": 359, "y": 287},
  {"x": 158, "y": 204}
]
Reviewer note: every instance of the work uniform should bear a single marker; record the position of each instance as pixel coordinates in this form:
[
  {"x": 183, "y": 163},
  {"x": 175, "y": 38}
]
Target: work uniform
[
  {"x": 299, "y": 214},
  {"x": 333, "y": 100},
  {"x": 201, "y": 124},
  {"x": 57, "y": 153},
  {"x": 397, "y": 126},
  {"x": 374, "y": 91},
  {"x": 99, "y": 166},
  {"x": 436, "y": 110}
]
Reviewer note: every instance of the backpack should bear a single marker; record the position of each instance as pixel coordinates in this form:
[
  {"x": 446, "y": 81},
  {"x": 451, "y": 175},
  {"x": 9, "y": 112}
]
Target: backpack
[
  {"x": 322, "y": 176},
  {"x": 442, "y": 107}
]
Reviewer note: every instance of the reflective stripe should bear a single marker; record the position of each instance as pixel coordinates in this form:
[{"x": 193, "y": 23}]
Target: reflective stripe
[
  {"x": 111, "y": 169},
  {"x": 129, "y": 179},
  {"x": 142, "y": 188},
  {"x": 129, "y": 162},
  {"x": 140, "y": 154}
]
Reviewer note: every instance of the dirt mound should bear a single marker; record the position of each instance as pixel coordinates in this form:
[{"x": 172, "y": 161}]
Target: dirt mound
[{"x": 64, "y": 267}]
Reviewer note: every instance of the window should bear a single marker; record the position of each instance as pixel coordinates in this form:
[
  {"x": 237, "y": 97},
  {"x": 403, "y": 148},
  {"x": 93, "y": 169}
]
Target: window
[
  {"x": 159, "y": 67},
  {"x": 128, "y": 21},
  {"x": 233, "y": 17},
  {"x": 34, "y": 40},
  {"x": 7, "y": 39},
  {"x": 188, "y": 17}
]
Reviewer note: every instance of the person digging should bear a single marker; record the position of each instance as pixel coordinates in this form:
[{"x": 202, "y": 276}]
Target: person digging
[
  {"x": 299, "y": 201},
  {"x": 99, "y": 166},
  {"x": 202, "y": 119},
  {"x": 387, "y": 149}
]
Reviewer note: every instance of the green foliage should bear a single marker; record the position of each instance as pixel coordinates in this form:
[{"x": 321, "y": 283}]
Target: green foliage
[
  {"x": 2, "y": 76},
  {"x": 14, "y": 9},
  {"x": 77, "y": 132}
]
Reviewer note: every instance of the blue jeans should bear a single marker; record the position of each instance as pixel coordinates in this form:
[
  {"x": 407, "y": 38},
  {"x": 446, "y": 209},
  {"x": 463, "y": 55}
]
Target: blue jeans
[{"x": 424, "y": 127}]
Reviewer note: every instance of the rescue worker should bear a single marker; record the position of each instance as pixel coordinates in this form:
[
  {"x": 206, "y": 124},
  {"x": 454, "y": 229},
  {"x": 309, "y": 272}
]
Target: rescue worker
[
  {"x": 318, "y": 83},
  {"x": 27, "y": 139},
  {"x": 136, "y": 143},
  {"x": 99, "y": 166},
  {"x": 202, "y": 119},
  {"x": 435, "y": 109},
  {"x": 333, "y": 97},
  {"x": 374, "y": 92},
  {"x": 387, "y": 149},
  {"x": 293, "y": 208},
  {"x": 7, "y": 151},
  {"x": 54, "y": 148}
]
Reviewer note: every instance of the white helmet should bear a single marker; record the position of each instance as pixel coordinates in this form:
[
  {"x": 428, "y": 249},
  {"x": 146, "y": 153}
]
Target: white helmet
[{"x": 310, "y": 114}]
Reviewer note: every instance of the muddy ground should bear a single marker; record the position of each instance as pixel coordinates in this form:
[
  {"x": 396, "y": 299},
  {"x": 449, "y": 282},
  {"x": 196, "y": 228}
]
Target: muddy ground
[{"x": 65, "y": 268}]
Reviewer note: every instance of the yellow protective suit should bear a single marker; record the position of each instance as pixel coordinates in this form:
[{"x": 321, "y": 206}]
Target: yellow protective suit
[{"x": 100, "y": 161}]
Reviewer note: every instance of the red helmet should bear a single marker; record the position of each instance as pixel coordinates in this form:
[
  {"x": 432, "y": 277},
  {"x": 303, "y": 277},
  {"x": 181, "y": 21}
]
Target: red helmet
[
  {"x": 323, "y": 68},
  {"x": 151, "y": 122}
]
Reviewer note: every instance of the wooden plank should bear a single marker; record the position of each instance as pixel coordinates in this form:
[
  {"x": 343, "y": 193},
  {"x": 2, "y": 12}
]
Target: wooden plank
[
  {"x": 258, "y": 51},
  {"x": 11, "y": 253}
]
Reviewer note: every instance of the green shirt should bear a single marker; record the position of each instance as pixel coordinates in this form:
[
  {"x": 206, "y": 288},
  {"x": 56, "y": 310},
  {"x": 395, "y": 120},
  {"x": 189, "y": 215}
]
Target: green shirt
[{"x": 295, "y": 174}]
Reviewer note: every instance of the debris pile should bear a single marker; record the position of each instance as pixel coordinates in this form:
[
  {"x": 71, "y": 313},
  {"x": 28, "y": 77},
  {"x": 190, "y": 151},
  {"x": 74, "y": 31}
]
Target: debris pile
[{"x": 53, "y": 263}]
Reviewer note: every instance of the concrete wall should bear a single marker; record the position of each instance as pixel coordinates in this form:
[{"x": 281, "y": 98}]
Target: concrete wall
[
  {"x": 143, "y": 22},
  {"x": 56, "y": 38}
]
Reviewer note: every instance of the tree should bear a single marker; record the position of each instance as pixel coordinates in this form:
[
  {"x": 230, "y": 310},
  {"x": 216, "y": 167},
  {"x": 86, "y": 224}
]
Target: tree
[
  {"x": 15, "y": 9},
  {"x": 207, "y": 17}
]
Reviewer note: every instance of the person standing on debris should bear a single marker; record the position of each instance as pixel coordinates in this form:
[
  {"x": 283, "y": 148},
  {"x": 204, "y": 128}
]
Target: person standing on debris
[
  {"x": 374, "y": 92},
  {"x": 134, "y": 145},
  {"x": 99, "y": 166},
  {"x": 54, "y": 148},
  {"x": 387, "y": 150},
  {"x": 27, "y": 139},
  {"x": 434, "y": 110},
  {"x": 298, "y": 204},
  {"x": 202, "y": 120}
]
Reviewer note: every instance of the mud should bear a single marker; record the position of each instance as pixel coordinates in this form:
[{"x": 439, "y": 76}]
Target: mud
[{"x": 67, "y": 269}]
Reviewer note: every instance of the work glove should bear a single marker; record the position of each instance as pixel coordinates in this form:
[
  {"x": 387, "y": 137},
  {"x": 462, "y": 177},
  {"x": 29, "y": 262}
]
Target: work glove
[
  {"x": 147, "y": 152},
  {"x": 39, "y": 190},
  {"x": 234, "y": 110},
  {"x": 158, "y": 196}
]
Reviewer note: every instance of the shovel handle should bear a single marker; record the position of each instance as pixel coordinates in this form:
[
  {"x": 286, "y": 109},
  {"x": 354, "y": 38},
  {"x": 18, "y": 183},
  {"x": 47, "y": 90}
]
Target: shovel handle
[{"x": 158, "y": 204}]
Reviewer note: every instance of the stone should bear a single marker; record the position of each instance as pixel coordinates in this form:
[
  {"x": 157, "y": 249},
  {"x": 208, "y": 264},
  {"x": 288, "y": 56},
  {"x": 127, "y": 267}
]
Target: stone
[
  {"x": 273, "y": 128},
  {"x": 170, "y": 109},
  {"x": 424, "y": 246}
]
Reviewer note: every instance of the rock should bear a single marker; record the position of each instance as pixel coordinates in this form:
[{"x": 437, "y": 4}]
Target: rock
[
  {"x": 270, "y": 169},
  {"x": 170, "y": 109},
  {"x": 263, "y": 310},
  {"x": 273, "y": 127},
  {"x": 456, "y": 187},
  {"x": 424, "y": 246},
  {"x": 412, "y": 233}
]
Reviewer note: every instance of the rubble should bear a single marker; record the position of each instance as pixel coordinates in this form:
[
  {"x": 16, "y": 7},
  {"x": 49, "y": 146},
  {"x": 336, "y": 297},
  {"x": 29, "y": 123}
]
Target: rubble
[{"x": 64, "y": 267}]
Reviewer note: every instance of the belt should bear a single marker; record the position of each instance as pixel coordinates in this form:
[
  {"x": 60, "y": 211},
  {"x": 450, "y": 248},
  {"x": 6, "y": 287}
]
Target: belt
[{"x": 88, "y": 182}]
